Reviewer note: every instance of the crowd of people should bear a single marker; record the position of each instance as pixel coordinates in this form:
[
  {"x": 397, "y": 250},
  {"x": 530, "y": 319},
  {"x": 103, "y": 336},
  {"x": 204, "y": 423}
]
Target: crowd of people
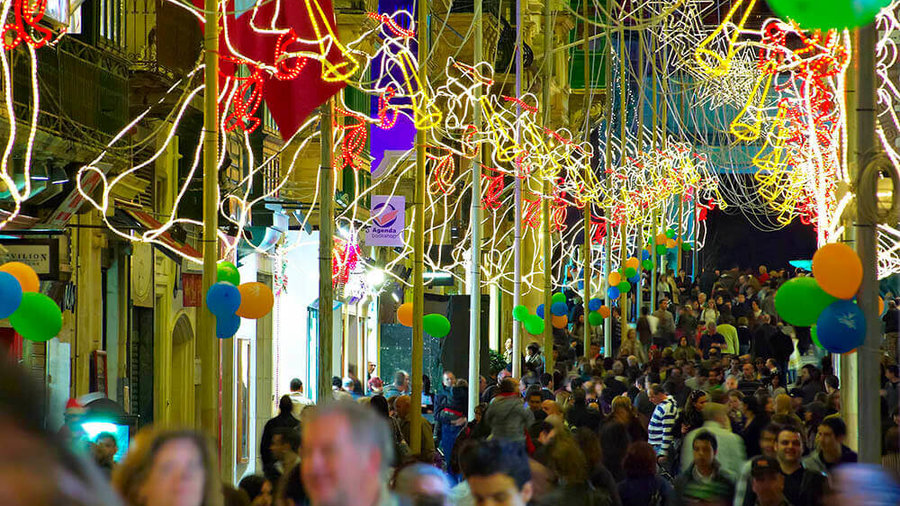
[{"x": 708, "y": 400}]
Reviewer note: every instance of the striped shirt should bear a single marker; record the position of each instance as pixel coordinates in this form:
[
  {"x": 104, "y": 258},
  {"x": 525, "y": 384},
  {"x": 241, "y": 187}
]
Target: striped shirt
[{"x": 661, "y": 426}]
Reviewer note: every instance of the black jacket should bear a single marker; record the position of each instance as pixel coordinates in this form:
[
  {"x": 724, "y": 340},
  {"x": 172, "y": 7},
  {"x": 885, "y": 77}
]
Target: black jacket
[{"x": 283, "y": 420}]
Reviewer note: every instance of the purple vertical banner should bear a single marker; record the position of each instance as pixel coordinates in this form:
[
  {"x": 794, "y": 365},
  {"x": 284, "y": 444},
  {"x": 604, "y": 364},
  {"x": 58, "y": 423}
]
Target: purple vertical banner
[
  {"x": 388, "y": 221},
  {"x": 401, "y": 136}
]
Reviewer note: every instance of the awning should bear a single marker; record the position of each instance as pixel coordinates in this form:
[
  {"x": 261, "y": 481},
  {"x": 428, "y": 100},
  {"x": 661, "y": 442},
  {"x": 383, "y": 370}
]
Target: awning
[{"x": 171, "y": 245}]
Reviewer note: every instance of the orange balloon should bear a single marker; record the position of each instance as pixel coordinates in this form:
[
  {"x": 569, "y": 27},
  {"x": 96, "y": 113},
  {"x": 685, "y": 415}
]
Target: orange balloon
[
  {"x": 838, "y": 270},
  {"x": 25, "y": 274},
  {"x": 880, "y": 306},
  {"x": 405, "y": 314},
  {"x": 604, "y": 311},
  {"x": 257, "y": 300},
  {"x": 633, "y": 263},
  {"x": 670, "y": 243},
  {"x": 614, "y": 278},
  {"x": 560, "y": 322},
  {"x": 661, "y": 239}
]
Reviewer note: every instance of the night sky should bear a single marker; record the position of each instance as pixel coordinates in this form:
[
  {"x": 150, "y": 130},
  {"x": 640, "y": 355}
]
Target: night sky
[{"x": 733, "y": 241}]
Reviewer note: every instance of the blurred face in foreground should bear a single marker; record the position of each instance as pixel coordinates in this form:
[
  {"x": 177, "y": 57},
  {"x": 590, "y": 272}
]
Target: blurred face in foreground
[
  {"x": 769, "y": 488},
  {"x": 177, "y": 476},
  {"x": 336, "y": 469},
  {"x": 498, "y": 490}
]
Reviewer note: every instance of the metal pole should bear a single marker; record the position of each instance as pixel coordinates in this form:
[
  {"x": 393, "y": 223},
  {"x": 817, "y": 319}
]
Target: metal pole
[
  {"x": 517, "y": 233},
  {"x": 475, "y": 295},
  {"x": 653, "y": 231},
  {"x": 607, "y": 245},
  {"x": 694, "y": 247},
  {"x": 623, "y": 299},
  {"x": 545, "y": 200},
  {"x": 867, "y": 356},
  {"x": 418, "y": 342},
  {"x": 326, "y": 244},
  {"x": 586, "y": 245},
  {"x": 207, "y": 344}
]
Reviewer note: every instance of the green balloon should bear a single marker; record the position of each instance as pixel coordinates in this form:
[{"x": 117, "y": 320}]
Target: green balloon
[
  {"x": 226, "y": 271},
  {"x": 534, "y": 325},
  {"x": 520, "y": 312},
  {"x": 595, "y": 318},
  {"x": 670, "y": 233},
  {"x": 38, "y": 317},
  {"x": 800, "y": 300},
  {"x": 686, "y": 246},
  {"x": 815, "y": 336},
  {"x": 660, "y": 249},
  {"x": 436, "y": 325},
  {"x": 624, "y": 287},
  {"x": 558, "y": 297},
  {"x": 648, "y": 265},
  {"x": 827, "y": 14},
  {"x": 630, "y": 272}
]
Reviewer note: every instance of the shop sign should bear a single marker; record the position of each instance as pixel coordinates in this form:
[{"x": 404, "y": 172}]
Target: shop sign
[
  {"x": 388, "y": 221},
  {"x": 42, "y": 255}
]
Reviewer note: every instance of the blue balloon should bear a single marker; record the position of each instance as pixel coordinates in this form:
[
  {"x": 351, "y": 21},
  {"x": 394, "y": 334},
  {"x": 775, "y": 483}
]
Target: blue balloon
[
  {"x": 10, "y": 294},
  {"x": 635, "y": 279},
  {"x": 841, "y": 327},
  {"x": 594, "y": 304},
  {"x": 227, "y": 325},
  {"x": 559, "y": 309},
  {"x": 540, "y": 311},
  {"x": 613, "y": 292},
  {"x": 223, "y": 299},
  {"x": 645, "y": 255}
]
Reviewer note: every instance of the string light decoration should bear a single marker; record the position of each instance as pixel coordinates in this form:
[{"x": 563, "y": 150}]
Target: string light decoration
[{"x": 780, "y": 101}]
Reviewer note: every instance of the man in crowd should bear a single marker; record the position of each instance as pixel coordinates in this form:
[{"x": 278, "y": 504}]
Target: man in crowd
[
  {"x": 285, "y": 445},
  {"x": 748, "y": 384},
  {"x": 802, "y": 487},
  {"x": 402, "y": 407},
  {"x": 285, "y": 419},
  {"x": 729, "y": 332},
  {"x": 711, "y": 339},
  {"x": 399, "y": 387},
  {"x": 662, "y": 423},
  {"x": 498, "y": 473},
  {"x": 506, "y": 415},
  {"x": 345, "y": 457},
  {"x": 730, "y": 446},
  {"x": 300, "y": 401},
  {"x": 666, "y": 328},
  {"x": 703, "y": 480},
  {"x": 830, "y": 449},
  {"x": 104, "y": 450},
  {"x": 768, "y": 482}
]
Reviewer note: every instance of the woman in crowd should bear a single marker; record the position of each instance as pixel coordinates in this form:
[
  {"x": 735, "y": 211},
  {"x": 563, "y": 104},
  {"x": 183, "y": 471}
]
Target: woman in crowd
[
  {"x": 631, "y": 346},
  {"x": 685, "y": 351},
  {"x": 642, "y": 485},
  {"x": 169, "y": 468}
]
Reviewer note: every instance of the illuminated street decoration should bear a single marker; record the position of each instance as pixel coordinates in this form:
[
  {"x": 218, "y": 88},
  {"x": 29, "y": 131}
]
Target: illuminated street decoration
[{"x": 781, "y": 103}]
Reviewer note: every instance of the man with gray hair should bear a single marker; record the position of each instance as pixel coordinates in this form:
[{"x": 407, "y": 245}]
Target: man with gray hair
[
  {"x": 346, "y": 452},
  {"x": 423, "y": 484},
  {"x": 731, "y": 454},
  {"x": 399, "y": 387}
]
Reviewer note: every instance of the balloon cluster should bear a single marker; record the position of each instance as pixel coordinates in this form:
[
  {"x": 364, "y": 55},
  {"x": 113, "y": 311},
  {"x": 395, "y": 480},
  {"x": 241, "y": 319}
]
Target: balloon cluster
[
  {"x": 33, "y": 315},
  {"x": 434, "y": 324},
  {"x": 619, "y": 282},
  {"x": 824, "y": 302},
  {"x": 534, "y": 323},
  {"x": 597, "y": 312},
  {"x": 230, "y": 300}
]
